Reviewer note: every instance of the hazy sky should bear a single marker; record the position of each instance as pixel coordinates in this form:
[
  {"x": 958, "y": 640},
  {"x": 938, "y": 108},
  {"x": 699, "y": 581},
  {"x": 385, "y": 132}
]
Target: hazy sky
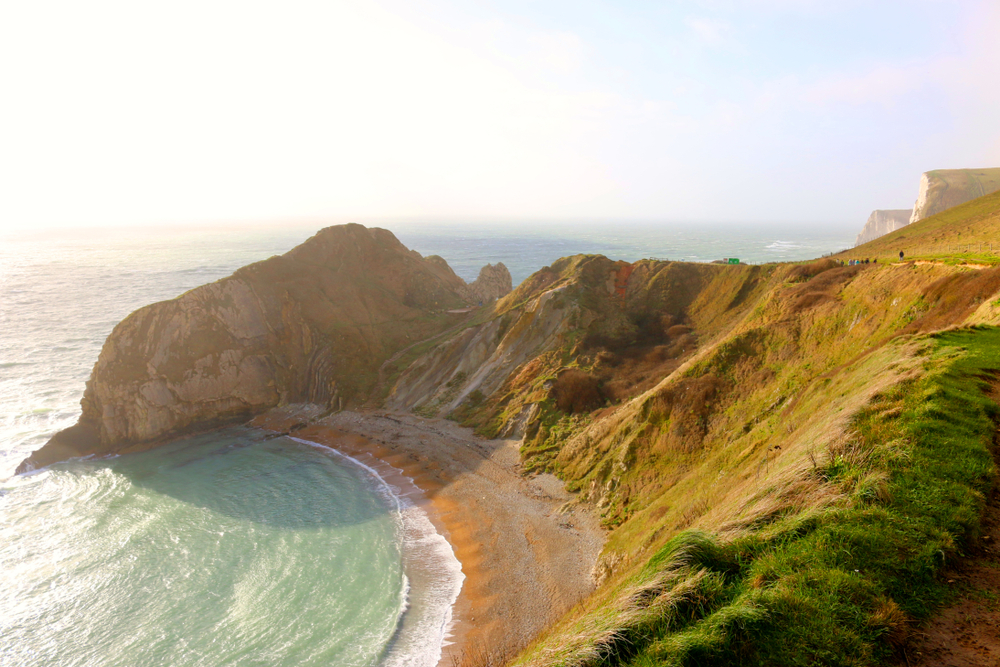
[{"x": 763, "y": 110}]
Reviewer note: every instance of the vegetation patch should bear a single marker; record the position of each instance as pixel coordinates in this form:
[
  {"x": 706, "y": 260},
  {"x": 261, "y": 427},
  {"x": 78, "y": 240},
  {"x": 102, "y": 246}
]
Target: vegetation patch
[{"x": 577, "y": 391}]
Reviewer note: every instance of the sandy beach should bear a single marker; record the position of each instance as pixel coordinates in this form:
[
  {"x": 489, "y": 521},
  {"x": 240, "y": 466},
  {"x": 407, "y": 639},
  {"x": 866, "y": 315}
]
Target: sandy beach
[{"x": 527, "y": 551}]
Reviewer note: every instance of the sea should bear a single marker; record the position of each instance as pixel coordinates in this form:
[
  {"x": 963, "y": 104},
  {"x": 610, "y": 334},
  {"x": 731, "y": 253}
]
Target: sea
[{"x": 236, "y": 547}]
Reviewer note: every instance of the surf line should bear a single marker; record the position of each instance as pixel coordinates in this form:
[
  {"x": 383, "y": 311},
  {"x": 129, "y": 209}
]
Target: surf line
[{"x": 432, "y": 577}]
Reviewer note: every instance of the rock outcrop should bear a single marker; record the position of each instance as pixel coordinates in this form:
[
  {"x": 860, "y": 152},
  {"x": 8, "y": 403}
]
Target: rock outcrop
[
  {"x": 944, "y": 188},
  {"x": 882, "y": 222},
  {"x": 311, "y": 325},
  {"x": 494, "y": 282}
]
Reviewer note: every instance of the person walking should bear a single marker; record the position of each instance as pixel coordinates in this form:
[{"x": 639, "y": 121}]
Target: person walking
[{"x": 901, "y": 255}]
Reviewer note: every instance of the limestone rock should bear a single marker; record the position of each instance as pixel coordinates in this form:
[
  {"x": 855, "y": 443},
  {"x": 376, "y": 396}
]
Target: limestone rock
[
  {"x": 312, "y": 325},
  {"x": 494, "y": 282},
  {"x": 881, "y": 223}
]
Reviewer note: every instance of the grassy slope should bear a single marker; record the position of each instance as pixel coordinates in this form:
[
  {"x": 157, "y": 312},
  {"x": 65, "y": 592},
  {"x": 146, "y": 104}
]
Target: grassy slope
[
  {"x": 789, "y": 495},
  {"x": 833, "y": 582},
  {"x": 708, "y": 297},
  {"x": 953, "y": 236}
]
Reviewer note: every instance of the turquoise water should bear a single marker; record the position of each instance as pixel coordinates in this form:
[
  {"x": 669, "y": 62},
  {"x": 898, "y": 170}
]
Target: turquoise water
[
  {"x": 230, "y": 548},
  {"x": 223, "y": 549}
]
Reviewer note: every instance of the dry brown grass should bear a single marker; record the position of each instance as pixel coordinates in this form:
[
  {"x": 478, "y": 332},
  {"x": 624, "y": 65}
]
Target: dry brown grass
[
  {"x": 683, "y": 409},
  {"x": 807, "y": 271},
  {"x": 893, "y": 621},
  {"x": 577, "y": 391},
  {"x": 953, "y": 298}
]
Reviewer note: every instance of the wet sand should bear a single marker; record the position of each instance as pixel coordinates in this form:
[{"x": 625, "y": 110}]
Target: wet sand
[{"x": 527, "y": 551}]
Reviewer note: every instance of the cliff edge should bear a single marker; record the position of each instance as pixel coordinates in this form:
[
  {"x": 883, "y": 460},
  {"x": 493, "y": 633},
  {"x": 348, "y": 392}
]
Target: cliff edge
[
  {"x": 882, "y": 222},
  {"x": 945, "y": 188},
  {"x": 311, "y": 325}
]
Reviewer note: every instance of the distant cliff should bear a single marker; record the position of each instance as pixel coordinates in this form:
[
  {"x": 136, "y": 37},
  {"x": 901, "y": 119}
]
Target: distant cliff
[
  {"x": 945, "y": 188},
  {"x": 881, "y": 223},
  {"x": 311, "y": 325},
  {"x": 494, "y": 282}
]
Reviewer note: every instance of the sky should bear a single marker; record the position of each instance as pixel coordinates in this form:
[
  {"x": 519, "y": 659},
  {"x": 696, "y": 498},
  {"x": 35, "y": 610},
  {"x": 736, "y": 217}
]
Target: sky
[{"x": 801, "y": 111}]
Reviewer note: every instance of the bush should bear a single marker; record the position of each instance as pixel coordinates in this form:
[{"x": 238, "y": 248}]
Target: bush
[{"x": 577, "y": 391}]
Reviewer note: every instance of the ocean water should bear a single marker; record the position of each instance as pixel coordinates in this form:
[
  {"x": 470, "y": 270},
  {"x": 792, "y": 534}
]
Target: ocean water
[
  {"x": 223, "y": 549},
  {"x": 524, "y": 248},
  {"x": 231, "y": 548}
]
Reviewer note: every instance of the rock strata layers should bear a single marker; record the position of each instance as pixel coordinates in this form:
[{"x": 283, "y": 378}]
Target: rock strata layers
[
  {"x": 311, "y": 325},
  {"x": 882, "y": 222}
]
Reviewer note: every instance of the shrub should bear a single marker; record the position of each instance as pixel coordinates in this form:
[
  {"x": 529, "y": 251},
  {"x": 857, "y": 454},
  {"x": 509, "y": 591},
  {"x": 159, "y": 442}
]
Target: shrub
[{"x": 577, "y": 391}]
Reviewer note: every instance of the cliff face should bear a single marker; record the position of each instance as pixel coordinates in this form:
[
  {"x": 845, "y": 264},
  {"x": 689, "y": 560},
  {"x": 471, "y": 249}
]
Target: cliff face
[
  {"x": 493, "y": 283},
  {"x": 881, "y": 223},
  {"x": 944, "y": 188},
  {"x": 311, "y": 325}
]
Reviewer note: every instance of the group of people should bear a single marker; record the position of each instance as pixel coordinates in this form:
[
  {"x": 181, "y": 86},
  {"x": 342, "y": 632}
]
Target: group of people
[{"x": 852, "y": 262}]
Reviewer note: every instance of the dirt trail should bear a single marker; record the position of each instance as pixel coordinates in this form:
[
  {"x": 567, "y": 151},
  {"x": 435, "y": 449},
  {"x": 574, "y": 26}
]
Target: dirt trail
[
  {"x": 966, "y": 633},
  {"x": 920, "y": 262}
]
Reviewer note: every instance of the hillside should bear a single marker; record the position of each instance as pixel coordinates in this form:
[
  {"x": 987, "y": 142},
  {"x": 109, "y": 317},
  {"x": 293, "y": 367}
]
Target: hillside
[
  {"x": 939, "y": 191},
  {"x": 945, "y": 188},
  {"x": 786, "y": 484}
]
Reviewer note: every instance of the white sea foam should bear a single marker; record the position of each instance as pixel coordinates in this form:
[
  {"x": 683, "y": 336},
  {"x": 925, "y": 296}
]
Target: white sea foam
[
  {"x": 433, "y": 574},
  {"x": 782, "y": 246}
]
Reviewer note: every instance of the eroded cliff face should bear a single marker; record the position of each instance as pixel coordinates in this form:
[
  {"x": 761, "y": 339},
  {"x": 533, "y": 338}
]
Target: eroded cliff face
[
  {"x": 311, "y": 325},
  {"x": 494, "y": 282},
  {"x": 482, "y": 357},
  {"x": 881, "y": 222},
  {"x": 945, "y": 188}
]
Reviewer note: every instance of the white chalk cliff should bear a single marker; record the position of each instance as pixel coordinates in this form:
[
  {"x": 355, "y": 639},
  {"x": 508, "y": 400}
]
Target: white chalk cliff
[
  {"x": 882, "y": 222},
  {"x": 944, "y": 188}
]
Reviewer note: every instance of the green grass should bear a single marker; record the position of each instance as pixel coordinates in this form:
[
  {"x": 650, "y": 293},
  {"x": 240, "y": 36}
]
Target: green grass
[{"x": 838, "y": 585}]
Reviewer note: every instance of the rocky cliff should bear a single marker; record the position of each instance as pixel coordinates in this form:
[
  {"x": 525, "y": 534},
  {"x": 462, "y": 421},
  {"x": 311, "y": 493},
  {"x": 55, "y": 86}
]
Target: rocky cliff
[
  {"x": 881, "y": 223},
  {"x": 311, "y": 325},
  {"x": 493, "y": 283},
  {"x": 945, "y": 188}
]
